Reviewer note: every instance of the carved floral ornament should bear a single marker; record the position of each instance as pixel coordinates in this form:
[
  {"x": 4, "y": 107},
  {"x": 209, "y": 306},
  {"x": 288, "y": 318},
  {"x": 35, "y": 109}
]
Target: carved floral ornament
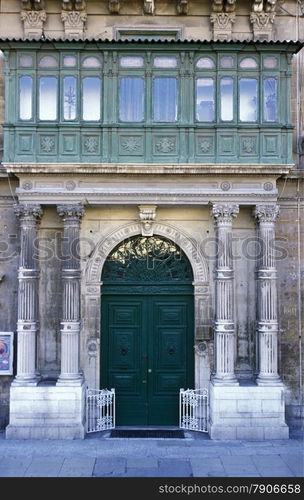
[
  {"x": 266, "y": 213},
  {"x": 224, "y": 212},
  {"x": 30, "y": 211},
  {"x": 71, "y": 211}
]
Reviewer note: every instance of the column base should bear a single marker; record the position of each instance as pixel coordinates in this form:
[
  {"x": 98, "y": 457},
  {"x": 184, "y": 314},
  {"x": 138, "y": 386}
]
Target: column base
[
  {"x": 47, "y": 412},
  {"x": 222, "y": 382},
  {"x": 23, "y": 382},
  {"x": 269, "y": 382},
  {"x": 69, "y": 382},
  {"x": 247, "y": 412}
]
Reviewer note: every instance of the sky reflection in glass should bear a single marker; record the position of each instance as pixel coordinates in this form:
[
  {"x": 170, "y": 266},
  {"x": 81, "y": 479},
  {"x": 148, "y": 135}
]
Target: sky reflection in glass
[
  {"x": 165, "y": 99},
  {"x": 131, "y": 99},
  {"x": 26, "y": 98},
  {"x": 205, "y": 99},
  {"x": 91, "y": 96},
  {"x": 48, "y": 98},
  {"x": 248, "y": 101}
]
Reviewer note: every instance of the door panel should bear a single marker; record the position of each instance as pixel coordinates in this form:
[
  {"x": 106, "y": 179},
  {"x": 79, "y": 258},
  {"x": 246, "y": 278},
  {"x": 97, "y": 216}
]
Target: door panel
[{"x": 147, "y": 355}]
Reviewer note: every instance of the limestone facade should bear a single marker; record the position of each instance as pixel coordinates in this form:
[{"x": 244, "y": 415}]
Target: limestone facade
[{"x": 248, "y": 311}]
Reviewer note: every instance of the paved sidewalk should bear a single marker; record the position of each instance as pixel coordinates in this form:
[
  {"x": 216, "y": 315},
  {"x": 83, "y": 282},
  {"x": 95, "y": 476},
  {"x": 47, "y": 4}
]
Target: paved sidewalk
[{"x": 195, "y": 456}]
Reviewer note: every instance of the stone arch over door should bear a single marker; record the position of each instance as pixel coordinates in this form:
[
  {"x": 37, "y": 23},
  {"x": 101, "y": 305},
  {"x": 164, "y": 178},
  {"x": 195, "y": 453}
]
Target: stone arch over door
[{"x": 92, "y": 293}]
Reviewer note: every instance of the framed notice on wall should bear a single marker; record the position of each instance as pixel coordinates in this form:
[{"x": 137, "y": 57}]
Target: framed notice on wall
[{"x": 6, "y": 353}]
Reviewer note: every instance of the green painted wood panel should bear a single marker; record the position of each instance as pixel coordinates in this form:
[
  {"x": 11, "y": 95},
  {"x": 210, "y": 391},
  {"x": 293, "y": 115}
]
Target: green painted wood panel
[
  {"x": 186, "y": 140},
  {"x": 147, "y": 355}
]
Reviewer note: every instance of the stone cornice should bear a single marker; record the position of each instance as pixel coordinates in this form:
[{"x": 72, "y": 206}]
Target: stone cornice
[
  {"x": 147, "y": 169},
  {"x": 136, "y": 198}
]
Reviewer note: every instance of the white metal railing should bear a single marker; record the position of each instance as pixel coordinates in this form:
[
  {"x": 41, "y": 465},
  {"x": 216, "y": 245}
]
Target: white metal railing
[
  {"x": 100, "y": 409},
  {"x": 194, "y": 409}
]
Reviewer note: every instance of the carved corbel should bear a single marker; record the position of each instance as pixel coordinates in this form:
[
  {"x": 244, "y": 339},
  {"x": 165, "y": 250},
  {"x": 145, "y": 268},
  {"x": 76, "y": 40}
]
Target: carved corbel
[
  {"x": 262, "y": 18},
  {"x": 182, "y": 7},
  {"x": 147, "y": 214},
  {"x": 149, "y": 7},
  {"x": 74, "y": 17},
  {"x": 33, "y": 21},
  {"x": 114, "y": 6}
]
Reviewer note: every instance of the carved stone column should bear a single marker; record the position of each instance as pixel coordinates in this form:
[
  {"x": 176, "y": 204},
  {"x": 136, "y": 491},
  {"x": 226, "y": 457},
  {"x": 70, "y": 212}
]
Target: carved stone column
[
  {"x": 27, "y": 324},
  {"x": 224, "y": 321},
  {"x": 267, "y": 297},
  {"x": 70, "y": 325}
]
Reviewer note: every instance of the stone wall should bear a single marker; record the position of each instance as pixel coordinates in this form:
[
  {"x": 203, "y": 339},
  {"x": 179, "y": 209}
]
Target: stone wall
[
  {"x": 9, "y": 250},
  {"x": 100, "y": 22},
  {"x": 290, "y": 236}
]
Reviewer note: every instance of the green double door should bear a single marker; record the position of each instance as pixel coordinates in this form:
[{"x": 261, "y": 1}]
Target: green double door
[{"x": 147, "y": 355}]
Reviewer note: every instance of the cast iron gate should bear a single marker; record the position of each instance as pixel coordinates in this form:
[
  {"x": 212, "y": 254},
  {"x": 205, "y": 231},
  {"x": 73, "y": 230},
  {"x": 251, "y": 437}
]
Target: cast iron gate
[
  {"x": 194, "y": 409},
  {"x": 100, "y": 409}
]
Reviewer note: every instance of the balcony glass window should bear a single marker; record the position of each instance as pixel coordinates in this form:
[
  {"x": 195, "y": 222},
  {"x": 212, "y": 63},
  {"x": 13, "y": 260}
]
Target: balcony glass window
[
  {"x": 165, "y": 99},
  {"x": 48, "y": 98},
  {"x": 131, "y": 99},
  {"x": 205, "y": 100}
]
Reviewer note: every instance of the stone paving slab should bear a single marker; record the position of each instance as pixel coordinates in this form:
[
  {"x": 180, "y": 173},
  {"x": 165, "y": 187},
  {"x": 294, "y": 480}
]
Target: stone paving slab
[
  {"x": 268, "y": 464},
  {"x": 14, "y": 467},
  {"x": 44, "y": 467},
  {"x": 142, "y": 462},
  {"x": 113, "y": 466},
  {"x": 239, "y": 465},
  {"x": 77, "y": 467},
  {"x": 142, "y": 472},
  {"x": 202, "y": 467},
  {"x": 294, "y": 462},
  {"x": 195, "y": 457},
  {"x": 174, "y": 468}
]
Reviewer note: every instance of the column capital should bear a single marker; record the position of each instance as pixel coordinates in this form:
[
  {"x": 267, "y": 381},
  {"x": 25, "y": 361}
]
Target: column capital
[
  {"x": 266, "y": 213},
  {"x": 71, "y": 212},
  {"x": 30, "y": 212},
  {"x": 224, "y": 212}
]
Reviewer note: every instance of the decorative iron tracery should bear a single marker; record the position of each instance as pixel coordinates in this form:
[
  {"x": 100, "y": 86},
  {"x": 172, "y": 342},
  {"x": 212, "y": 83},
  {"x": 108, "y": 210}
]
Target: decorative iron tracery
[{"x": 147, "y": 260}]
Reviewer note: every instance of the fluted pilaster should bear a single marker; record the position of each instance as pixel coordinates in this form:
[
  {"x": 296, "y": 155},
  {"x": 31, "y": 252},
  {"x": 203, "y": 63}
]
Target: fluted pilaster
[
  {"x": 28, "y": 275},
  {"x": 224, "y": 309},
  {"x": 267, "y": 326},
  {"x": 70, "y": 324}
]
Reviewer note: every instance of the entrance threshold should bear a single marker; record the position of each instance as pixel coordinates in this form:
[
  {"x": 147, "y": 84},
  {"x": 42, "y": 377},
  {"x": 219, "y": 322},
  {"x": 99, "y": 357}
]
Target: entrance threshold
[{"x": 142, "y": 433}]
